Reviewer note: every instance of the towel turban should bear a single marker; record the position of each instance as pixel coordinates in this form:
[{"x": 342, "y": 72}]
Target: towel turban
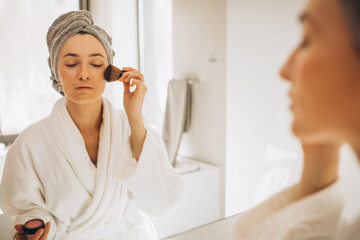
[{"x": 66, "y": 26}]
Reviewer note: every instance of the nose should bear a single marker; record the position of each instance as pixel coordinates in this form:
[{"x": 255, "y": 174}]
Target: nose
[
  {"x": 84, "y": 73},
  {"x": 285, "y": 71}
]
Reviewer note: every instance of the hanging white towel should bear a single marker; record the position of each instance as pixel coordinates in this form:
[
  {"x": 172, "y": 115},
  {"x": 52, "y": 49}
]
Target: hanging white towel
[{"x": 177, "y": 115}]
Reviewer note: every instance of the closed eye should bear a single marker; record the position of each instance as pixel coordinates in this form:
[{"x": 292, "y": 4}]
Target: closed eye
[
  {"x": 305, "y": 42},
  {"x": 97, "y": 65},
  {"x": 70, "y": 65}
]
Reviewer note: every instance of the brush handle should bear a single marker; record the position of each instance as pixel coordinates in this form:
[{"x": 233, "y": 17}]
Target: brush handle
[{"x": 121, "y": 73}]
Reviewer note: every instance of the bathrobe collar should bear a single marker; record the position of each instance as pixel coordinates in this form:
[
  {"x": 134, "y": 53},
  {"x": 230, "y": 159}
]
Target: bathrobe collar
[
  {"x": 97, "y": 181},
  {"x": 71, "y": 143}
]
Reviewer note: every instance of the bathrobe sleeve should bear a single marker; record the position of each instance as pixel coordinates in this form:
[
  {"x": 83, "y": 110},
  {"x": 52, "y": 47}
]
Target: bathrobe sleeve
[
  {"x": 21, "y": 191},
  {"x": 153, "y": 184}
]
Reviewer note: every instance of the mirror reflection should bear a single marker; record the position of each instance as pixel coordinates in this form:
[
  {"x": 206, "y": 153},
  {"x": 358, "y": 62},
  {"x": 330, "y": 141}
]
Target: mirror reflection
[{"x": 223, "y": 119}]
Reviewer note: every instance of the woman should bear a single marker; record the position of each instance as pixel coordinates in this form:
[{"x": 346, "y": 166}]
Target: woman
[
  {"x": 88, "y": 170},
  {"x": 324, "y": 73}
]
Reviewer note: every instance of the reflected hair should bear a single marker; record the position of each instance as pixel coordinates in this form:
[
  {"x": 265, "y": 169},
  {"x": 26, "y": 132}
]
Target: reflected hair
[{"x": 351, "y": 9}]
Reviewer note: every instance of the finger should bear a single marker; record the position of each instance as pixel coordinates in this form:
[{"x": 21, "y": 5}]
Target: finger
[
  {"x": 127, "y": 76},
  {"x": 37, "y": 235},
  {"x": 126, "y": 87},
  {"x": 20, "y": 236},
  {"x": 123, "y": 76},
  {"x": 134, "y": 75},
  {"x": 19, "y": 228},
  {"x": 140, "y": 89},
  {"x": 130, "y": 69},
  {"x": 46, "y": 231},
  {"x": 137, "y": 72},
  {"x": 137, "y": 83}
]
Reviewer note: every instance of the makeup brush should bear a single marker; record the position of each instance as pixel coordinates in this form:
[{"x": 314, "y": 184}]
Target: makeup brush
[{"x": 112, "y": 73}]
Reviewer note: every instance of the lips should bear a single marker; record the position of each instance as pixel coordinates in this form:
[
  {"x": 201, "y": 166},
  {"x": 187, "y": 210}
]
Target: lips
[
  {"x": 291, "y": 96},
  {"x": 84, "y": 87}
]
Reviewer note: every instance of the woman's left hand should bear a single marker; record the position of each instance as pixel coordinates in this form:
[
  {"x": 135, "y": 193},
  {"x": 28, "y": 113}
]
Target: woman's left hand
[{"x": 133, "y": 101}]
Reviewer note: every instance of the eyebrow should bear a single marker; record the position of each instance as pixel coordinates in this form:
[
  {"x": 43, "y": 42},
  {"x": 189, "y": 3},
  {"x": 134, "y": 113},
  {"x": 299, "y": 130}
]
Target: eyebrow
[
  {"x": 97, "y": 55},
  {"x": 305, "y": 17},
  {"x": 76, "y": 55}
]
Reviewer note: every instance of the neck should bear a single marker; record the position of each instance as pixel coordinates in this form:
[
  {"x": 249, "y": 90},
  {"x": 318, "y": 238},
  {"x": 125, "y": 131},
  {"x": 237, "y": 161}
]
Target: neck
[
  {"x": 320, "y": 169},
  {"x": 87, "y": 117}
]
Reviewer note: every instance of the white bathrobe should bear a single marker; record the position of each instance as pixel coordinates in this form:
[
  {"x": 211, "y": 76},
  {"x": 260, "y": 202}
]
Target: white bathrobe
[
  {"x": 281, "y": 217},
  {"x": 49, "y": 175}
]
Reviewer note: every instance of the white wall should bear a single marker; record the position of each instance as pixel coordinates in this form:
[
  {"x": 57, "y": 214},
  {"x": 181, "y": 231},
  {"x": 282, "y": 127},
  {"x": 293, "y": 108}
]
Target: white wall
[
  {"x": 199, "y": 52},
  {"x": 119, "y": 19},
  {"x": 260, "y": 35},
  {"x": 156, "y": 43}
]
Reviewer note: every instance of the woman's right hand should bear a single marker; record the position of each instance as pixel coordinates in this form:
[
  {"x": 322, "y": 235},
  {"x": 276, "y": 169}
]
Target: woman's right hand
[{"x": 41, "y": 234}]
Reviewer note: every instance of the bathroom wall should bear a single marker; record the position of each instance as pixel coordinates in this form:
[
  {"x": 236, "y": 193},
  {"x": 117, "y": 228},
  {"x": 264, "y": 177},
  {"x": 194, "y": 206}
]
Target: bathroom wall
[
  {"x": 118, "y": 24},
  {"x": 260, "y": 149},
  {"x": 199, "y": 52}
]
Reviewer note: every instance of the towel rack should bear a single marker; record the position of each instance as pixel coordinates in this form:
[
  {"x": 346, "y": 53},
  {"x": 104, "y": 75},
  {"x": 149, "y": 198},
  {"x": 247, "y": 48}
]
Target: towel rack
[{"x": 193, "y": 81}]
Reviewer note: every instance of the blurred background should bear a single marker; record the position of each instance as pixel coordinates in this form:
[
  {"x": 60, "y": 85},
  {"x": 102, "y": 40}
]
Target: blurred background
[{"x": 240, "y": 120}]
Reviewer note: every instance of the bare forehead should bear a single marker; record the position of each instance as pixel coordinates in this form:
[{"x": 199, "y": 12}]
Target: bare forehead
[
  {"x": 82, "y": 45},
  {"x": 323, "y": 14}
]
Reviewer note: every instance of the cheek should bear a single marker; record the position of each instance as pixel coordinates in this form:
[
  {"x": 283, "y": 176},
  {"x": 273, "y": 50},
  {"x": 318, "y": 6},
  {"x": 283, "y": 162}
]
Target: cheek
[
  {"x": 101, "y": 85},
  {"x": 312, "y": 83},
  {"x": 64, "y": 75},
  {"x": 312, "y": 91},
  {"x": 322, "y": 91},
  {"x": 98, "y": 75}
]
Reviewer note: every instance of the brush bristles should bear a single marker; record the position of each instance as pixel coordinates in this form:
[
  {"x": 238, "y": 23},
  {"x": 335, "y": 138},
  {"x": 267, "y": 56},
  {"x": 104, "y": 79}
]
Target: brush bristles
[{"x": 112, "y": 73}]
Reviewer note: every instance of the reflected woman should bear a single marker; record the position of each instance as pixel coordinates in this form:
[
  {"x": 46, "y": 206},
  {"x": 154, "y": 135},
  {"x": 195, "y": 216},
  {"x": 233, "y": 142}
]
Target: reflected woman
[
  {"x": 324, "y": 73},
  {"x": 88, "y": 170}
]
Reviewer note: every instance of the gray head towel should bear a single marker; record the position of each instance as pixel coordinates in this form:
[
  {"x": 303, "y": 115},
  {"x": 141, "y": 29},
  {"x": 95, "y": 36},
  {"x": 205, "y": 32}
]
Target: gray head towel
[{"x": 66, "y": 26}]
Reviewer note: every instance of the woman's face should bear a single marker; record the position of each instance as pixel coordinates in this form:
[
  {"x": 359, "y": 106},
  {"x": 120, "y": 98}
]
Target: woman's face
[
  {"x": 324, "y": 72},
  {"x": 81, "y": 67}
]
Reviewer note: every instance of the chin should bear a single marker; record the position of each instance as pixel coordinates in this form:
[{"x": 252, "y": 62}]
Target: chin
[
  {"x": 300, "y": 132},
  {"x": 309, "y": 134},
  {"x": 82, "y": 98}
]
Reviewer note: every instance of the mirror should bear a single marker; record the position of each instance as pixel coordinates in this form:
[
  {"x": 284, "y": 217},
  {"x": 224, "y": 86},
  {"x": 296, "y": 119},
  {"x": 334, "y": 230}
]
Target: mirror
[{"x": 239, "y": 135}]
